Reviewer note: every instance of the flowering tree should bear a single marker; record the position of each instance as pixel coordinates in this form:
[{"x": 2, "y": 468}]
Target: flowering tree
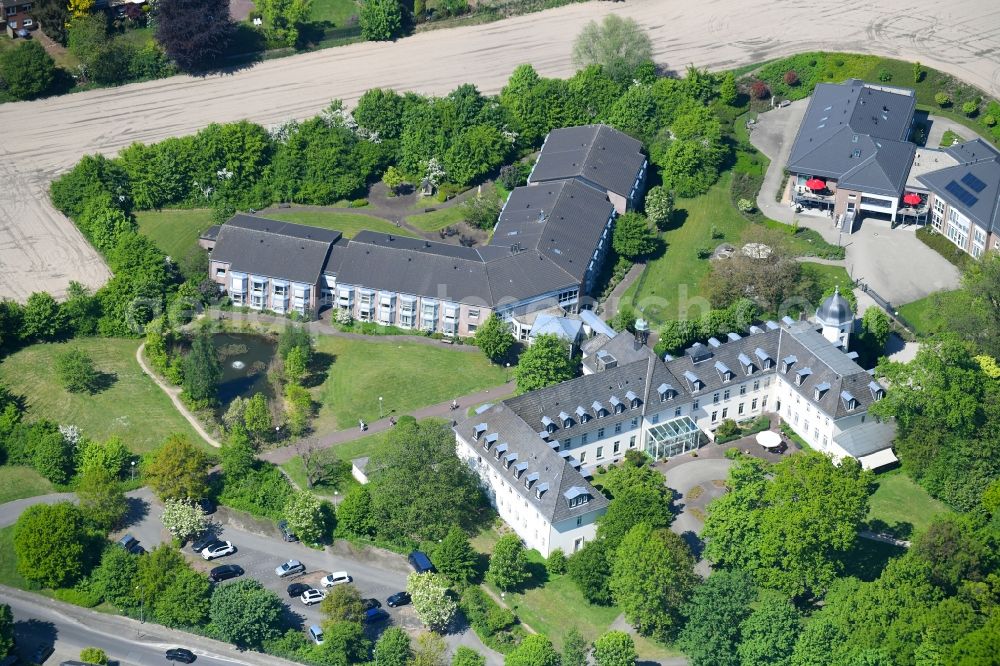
[
  {"x": 430, "y": 599},
  {"x": 183, "y": 519}
]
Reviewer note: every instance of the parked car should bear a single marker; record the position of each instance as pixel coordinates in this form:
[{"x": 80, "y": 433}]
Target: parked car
[
  {"x": 312, "y": 596},
  {"x": 182, "y": 655},
  {"x": 368, "y": 604},
  {"x": 218, "y": 549},
  {"x": 398, "y": 599},
  {"x": 202, "y": 541},
  {"x": 296, "y": 589},
  {"x": 290, "y": 568},
  {"x": 336, "y": 578},
  {"x": 420, "y": 562},
  {"x": 225, "y": 572},
  {"x": 131, "y": 544},
  {"x": 316, "y": 634},
  {"x": 374, "y": 615},
  {"x": 286, "y": 533}
]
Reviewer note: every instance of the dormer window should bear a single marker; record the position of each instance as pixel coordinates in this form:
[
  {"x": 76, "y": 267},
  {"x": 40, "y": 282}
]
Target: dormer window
[
  {"x": 666, "y": 392},
  {"x": 530, "y": 480},
  {"x": 748, "y": 366},
  {"x": 540, "y": 490},
  {"x": 500, "y": 450},
  {"x": 567, "y": 422},
  {"x": 633, "y": 399},
  {"x": 509, "y": 459},
  {"x": 616, "y": 404},
  {"x": 802, "y": 375},
  {"x": 724, "y": 371},
  {"x": 479, "y": 430},
  {"x": 490, "y": 440},
  {"x": 696, "y": 384},
  {"x": 764, "y": 358},
  {"x": 520, "y": 469},
  {"x": 548, "y": 424},
  {"x": 582, "y": 414},
  {"x": 820, "y": 390},
  {"x": 599, "y": 410},
  {"x": 850, "y": 402},
  {"x": 877, "y": 391},
  {"x": 787, "y": 363}
]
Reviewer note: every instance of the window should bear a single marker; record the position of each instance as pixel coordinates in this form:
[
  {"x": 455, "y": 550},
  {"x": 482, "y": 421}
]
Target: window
[
  {"x": 600, "y": 433},
  {"x": 635, "y": 422},
  {"x": 725, "y": 395},
  {"x": 655, "y": 419},
  {"x": 756, "y": 385},
  {"x": 600, "y": 452},
  {"x": 694, "y": 405},
  {"x": 715, "y": 398},
  {"x": 743, "y": 389},
  {"x": 631, "y": 442},
  {"x": 583, "y": 456},
  {"x": 473, "y": 313},
  {"x": 472, "y": 328},
  {"x": 715, "y": 416},
  {"x": 579, "y": 542},
  {"x": 753, "y": 404},
  {"x": 567, "y": 443},
  {"x": 958, "y": 227},
  {"x": 617, "y": 448},
  {"x": 740, "y": 410},
  {"x": 725, "y": 410},
  {"x": 677, "y": 411},
  {"x": 937, "y": 217},
  {"x": 220, "y": 272},
  {"x": 618, "y": 428},
  {"x": 11, "y": 10},
  {"x": 583, "y": 438}
]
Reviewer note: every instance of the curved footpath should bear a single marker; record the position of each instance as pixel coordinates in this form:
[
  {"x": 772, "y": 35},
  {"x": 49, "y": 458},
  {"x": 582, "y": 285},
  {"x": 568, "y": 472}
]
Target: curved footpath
[{"x": 42, "y": 251}]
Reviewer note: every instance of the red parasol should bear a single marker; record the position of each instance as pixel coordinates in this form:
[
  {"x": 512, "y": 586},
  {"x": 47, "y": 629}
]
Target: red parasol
[
  {"x": 911, "y": 199},
  {"x": 816, "y": 184}
]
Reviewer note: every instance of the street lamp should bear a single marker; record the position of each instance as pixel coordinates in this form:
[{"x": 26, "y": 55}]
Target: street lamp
[
  {"x": 142, "y": 602},
  {"x": 133, "y": 470},
  {"x": 380, "y": 406},
  {"x": 508, "y": 371}
]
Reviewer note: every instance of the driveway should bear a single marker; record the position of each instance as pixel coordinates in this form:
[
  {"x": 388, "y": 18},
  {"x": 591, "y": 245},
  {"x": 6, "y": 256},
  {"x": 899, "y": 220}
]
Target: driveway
[
  {"x": 41, "y": 250},
  {"x": 894, "y": 262}
]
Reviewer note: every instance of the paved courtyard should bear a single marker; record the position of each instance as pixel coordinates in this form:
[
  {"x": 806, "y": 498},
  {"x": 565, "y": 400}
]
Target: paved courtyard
[
  {"x": 893, "y": 262},
  {"x": 40, "y": 249}
]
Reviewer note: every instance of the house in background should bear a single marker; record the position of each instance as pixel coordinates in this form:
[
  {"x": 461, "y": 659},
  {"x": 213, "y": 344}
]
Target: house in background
[
  {"x": 15, "y": 16},
  {"x": 598, "y": 156},
  {"x": 852, "y": 152}
]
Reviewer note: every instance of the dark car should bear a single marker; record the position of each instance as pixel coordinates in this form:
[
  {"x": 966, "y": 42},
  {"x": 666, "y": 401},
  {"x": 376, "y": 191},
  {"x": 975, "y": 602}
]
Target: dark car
[
  {"x": 398, "y": 599},
  {"x": 182, "y": 655},
  {"x": 373, "y": 615},
  {"x": 131, "y": 544},
  {"x": 286, "y": 533},
  {"x": 420, "y": 562},
  {"x": 203, "y": 541},
  {"x": 295, "y": 590},
  {"x": 225, "y": 572},
  {"x": 369, "y": 604}
]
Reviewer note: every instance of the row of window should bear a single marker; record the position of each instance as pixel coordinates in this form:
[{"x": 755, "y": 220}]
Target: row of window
[{"x": 740, "y": 409}]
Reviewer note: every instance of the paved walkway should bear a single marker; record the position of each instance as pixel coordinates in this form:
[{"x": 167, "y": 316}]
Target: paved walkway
[
  {"x": 441, "y": 410},
  {"x": 940, "y": 125},
  {"x": 174, "y": 393},
  {"x": 614, "y": 299}
]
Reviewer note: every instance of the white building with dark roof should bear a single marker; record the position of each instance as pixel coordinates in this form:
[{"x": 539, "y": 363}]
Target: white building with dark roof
[{"x": 631, "y": 399}]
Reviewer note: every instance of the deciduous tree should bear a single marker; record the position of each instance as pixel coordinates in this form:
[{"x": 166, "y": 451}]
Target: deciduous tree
[
  {"x": 589, "y": 568},
  {"x": 381, "y": 20},
  {"x": 194, "y": 33},
  {"x": 544, "y": 363},
  {"x": 455, "y": 558},
  {"x": 494, "y": 338},
  {"x": 430, "y": 650},
  {"x": 101, "y": 498},
  {"x": 435, "y": 608},
  {"x": 615, "y": 648},
  {"x": 392, "y": 648},
  {"x": 632, "y": 237},
  {"x": 632, "y": 505},
  {"x": 245, "y": 613},
  {"x": 185, "y": 601},
  {"x": 178, "y": 470},
  {"x": 306, "y": 518},
  {"x": 52, "y": 544},
  {"x": 343, "y": 603},
  {"x": 619, "y": 45},
  {"x": 283, "y": 18},
  {"x": 183, "y": 519},
  {"x": 534, "y": 650},
  {"x": 652, "y": 577},
  {"x": 508, "y": 564},
  {"x": 6, "y": 630},
  {"x": 76, "y": 372},
  {"x": 713, "y": 614},
  {"x": 659, "y": 206},
  {"x": 114, "y": 579},
  {"x": 769, "y": 632},
  {"x": 466, "y": 656},
  {"x": 574, "y": 649},
  {"x": 41, "y": 317},
  {"x": 27, "y": 70}
]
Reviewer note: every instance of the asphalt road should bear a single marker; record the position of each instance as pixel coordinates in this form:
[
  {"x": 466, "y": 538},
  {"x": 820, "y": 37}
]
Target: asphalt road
[
  {"x": 43, "y": 622},
  {"x": 41, "y": 250}
]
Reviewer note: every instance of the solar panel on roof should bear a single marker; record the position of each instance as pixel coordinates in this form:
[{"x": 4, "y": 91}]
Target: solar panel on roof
[
  {"x": 973, "y": 183},
  {"x": 960, "y": 193}
]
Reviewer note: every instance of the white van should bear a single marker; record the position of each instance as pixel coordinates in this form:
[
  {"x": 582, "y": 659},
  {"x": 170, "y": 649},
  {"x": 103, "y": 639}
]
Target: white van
[{"x": 316, "y": 634}]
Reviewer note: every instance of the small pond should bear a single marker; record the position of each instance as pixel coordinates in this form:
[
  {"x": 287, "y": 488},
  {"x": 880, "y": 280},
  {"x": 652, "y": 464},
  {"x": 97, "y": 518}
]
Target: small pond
[{"x": 245, "y": 359}]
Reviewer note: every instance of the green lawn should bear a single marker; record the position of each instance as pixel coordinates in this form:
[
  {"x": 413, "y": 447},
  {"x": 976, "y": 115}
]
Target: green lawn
[
  {"x": 17, "y": 482},
  {"x": 899, "y": 501},
  {"x": 949, "y": 138},
  {"x": 133, "y": 407},
  {"x": 407, "y": 376},
  {"x": 925, "y": 315},
  {"x": 8, "y": 561},
  {"x": 336, "y": 12},
  {"x": 438, "y": 219},
  {"x": 826, "y": 277},
  {"x": 174, "y": 230},
  {"x": 297, "y": 472},
  {"x": 348, "y": 224}
]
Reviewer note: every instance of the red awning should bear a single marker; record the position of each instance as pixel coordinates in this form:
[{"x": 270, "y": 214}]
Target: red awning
[
  {"x": 816, "y": 184},
  {"x": 912, "y": 198}
]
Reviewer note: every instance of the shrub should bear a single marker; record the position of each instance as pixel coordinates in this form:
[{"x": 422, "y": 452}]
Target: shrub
[
  {"x": 791, "y": 78},
  {"x": 942, "y": 99},
  {"x": 717, "y": 233},
  {"x": 969, "y": 108},
  {"x": 727, "y": 431},
  {"x": 359, "y": 203},
  {"x": 989, "y": 121},
  {"x": 744, "y": 206},
  {"x": 556, "y": 563},
  {"x": 93, "y": 655},
  {"x": 705, "y": 251},
  {"x": 759, "y": 90},
  {"x": 884, "y": 75},
  {"x": 80, "y": 595}
]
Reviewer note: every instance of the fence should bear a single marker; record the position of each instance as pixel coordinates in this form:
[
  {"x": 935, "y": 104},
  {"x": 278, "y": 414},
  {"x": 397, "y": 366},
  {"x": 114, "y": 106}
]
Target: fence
[{"x": 888, "y": 307}]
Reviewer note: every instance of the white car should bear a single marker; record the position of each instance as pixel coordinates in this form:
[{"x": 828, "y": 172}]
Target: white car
[
  {"x": 310, "y": 597},
  {"x": 336, "y": 578},
  {"x": 218, "y": 549}
]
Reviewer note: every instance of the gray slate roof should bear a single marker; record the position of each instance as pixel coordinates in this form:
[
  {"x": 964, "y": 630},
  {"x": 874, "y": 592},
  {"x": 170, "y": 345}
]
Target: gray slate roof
[
  {"x": 552, "y": 469},
  {"x": 973, "y": 186},
  {"x": 598, "y": 155},
  {"x": 274, "y": 249},
  {"x": 857, "y": 134}
]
